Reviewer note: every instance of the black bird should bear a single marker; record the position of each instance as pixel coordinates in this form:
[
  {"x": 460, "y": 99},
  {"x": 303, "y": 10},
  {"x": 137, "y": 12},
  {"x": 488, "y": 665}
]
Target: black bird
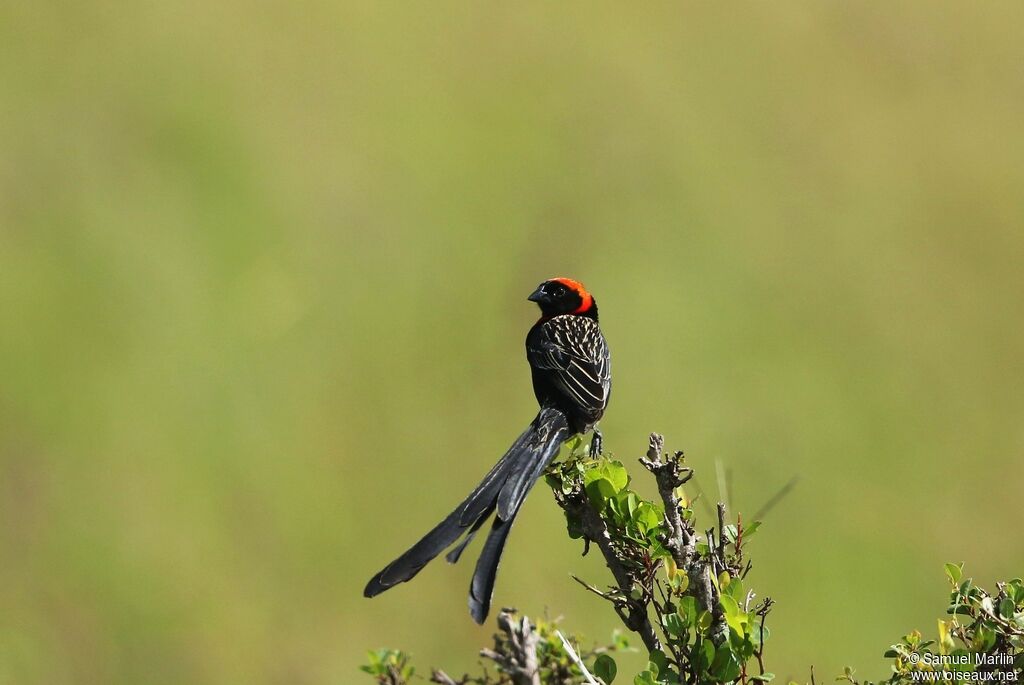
[{"x": 571, "y": 369}]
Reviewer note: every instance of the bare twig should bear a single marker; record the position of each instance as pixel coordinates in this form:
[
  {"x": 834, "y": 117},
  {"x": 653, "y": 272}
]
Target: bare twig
[
  {"x": 721, "y": 533},
  {"x": 670, "y": 473},
  {"x": 603, "y": 595},
  {"x": 707, "y": 596},
  {"x": 516, "y": 654},
  {"x": 575, "y": 657},
  {"x": 762, "y": 611},
  {"x": 681, "y": 542},
  {"x": 439, "y": 676}
]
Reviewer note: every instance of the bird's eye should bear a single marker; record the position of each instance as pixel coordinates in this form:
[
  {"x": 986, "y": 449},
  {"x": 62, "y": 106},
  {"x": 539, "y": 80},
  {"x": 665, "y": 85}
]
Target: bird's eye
[{"x": 560, "y": 290}]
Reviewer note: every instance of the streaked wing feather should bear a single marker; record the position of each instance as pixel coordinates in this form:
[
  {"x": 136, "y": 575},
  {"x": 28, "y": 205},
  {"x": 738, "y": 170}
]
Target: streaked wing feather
[{"x": 574, "y": 349}]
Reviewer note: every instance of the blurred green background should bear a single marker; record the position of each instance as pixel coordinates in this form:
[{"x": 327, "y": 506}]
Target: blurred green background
[{"x": 263, "y": 271}]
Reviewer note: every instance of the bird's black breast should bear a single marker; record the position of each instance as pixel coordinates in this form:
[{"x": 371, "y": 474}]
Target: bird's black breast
[{"x": 571, "y": 367}]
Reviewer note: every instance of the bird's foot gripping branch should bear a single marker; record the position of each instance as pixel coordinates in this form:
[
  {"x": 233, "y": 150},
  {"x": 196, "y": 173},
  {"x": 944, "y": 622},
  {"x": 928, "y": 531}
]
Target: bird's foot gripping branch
[{"x": 682, "y": 592}]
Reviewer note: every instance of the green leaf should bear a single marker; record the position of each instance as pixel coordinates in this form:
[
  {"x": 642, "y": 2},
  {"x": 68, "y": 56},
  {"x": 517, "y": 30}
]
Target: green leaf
[
  {"x": 605, "y": 668},
  {"x": 632, "y": 503},
  {"x": 1006, "y": 608},
  {"x": 659, "y": 660},
  {"x": 645, "y": 678},
  {"x": 656, "y": 549},
  {"x": 616, "y": 473},
  {"x": 705, "y": 650},
  {"x": 984, "y": 638},
  {"x": 647, "y": 517},
  {"x": 729, "y": 606},
  {"x": 612, "y": 471},
  {"x": 964, "y": 659},
  {"x": 759, "y": 635},
  {"x": 733, "y": 616},
  {"x": 600, "y": 490},
  {"x": 680, "y": 581},
  {"x": 688, "y": 609},
  {"x": 954, "y": 572},
  {"x": 675, "y": 625},
  {"x": 726, "y": 665},
  {"x": 735, "y": 588}
]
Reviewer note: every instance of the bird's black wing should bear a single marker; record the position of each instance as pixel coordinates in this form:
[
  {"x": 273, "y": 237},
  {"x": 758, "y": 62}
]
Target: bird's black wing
[{"x": 574, "y": 352}]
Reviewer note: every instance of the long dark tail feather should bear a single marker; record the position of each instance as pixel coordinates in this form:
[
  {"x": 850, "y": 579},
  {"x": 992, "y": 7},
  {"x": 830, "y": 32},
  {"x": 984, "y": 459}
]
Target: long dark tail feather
[
  {"x": 455, "y": 552},
  {"x": 551, "y": 431},
  {"x": 479, "y": 503},
  {"x": 504, "y": 487},
  {"x": 546, "y": 435},
  {"x": 482, "y": 586}
]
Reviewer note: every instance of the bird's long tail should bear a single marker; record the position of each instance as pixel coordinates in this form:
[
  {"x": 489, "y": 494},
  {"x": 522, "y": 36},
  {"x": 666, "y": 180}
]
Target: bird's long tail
[{"x": 502, "y": 490}]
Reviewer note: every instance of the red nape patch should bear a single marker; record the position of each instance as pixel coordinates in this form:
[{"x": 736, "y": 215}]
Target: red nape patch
[{"x": 587, "y": 300}]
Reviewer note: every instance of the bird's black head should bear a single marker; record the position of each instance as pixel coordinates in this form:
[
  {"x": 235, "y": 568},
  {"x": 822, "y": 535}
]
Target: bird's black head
[{"x": 564, "y": 296}]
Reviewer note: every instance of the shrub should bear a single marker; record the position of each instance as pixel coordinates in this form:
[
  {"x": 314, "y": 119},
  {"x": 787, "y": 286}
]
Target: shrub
[{"x": 686, "y": 597}]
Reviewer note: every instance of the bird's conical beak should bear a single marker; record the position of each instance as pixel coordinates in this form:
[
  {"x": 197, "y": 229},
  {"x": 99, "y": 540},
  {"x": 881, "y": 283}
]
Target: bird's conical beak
[{"x": 537, "y": 295}]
